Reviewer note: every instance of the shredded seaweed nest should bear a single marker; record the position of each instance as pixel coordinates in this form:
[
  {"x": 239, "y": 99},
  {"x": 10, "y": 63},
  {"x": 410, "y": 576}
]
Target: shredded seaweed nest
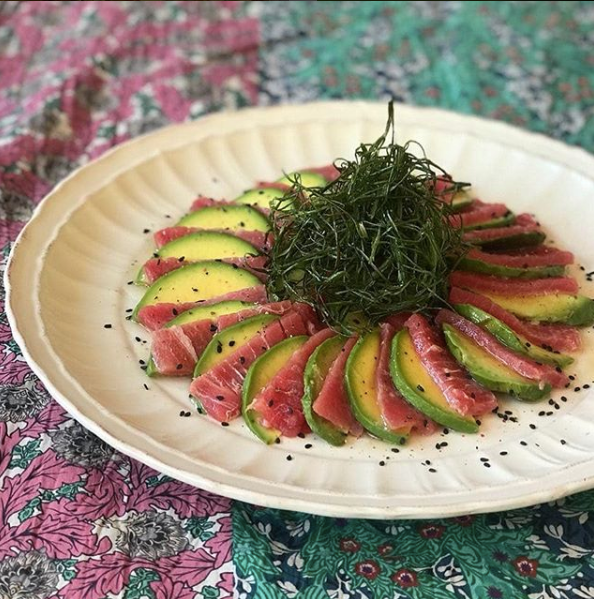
[{"x": 374, "y": 242}]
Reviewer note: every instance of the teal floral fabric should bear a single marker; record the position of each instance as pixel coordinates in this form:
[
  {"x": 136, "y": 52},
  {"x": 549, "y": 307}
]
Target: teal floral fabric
[
  {"x": 530, "y": 64},
  {"x": 78, "y": 519}
]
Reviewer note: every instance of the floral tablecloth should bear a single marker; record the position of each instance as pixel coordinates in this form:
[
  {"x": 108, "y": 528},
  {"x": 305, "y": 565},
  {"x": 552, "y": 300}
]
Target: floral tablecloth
[{"x": 79, "y": 520}]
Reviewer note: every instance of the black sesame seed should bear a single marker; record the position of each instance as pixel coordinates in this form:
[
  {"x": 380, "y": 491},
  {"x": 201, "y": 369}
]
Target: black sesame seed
[
  {"x": 571, "y": 377},
  {"x": 130, "y": 310},
  {"x": 289, "y": 458},
  {"x": 213, "y": 328},
  {"x": 174, "y": 311},
  {"x": 130, "y": 283},
  {"x": 181, "y": 413},
  {"x": 503, "y": 453},
  {"x": 484, "y": 459},
  {"x": 220, "y": 397},
  {"x": 241, "y": 360},
  {"x": 576, "y": 389},
  {"x": 145, "y": 231},
  {"x": 420, "y": 388},
  {"x": 563, "y": 442},
  {"x": 395, "y": 450},
  {"x": 107, "y": 326},
  {"x": 564, "y": 399},
  {"x": 586, "y": 386},
  {"x": 308, "y": 446},
  {"x": 382, "y": 463},
  {"x": 277, "y": 440},
  {"x": 523, "y": 443},
  {"x": 231, "y": 343},
  {"x": 432, "y": 470},
  {"x": 224, "y": 424},
  {"x": 141, "y": 362},
  {"x": 532, "y": 426},
  {"x": 486, "y": 464},
  {"x": 145, "y": 386},
  {"x": 219, "y": 348},
  {"x": 179, "y": 366},
  {"x": 301, "y": 435}
]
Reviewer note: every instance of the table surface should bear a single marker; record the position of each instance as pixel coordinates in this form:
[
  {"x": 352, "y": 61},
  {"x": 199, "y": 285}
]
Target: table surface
[{"x": 78, "y": 519}]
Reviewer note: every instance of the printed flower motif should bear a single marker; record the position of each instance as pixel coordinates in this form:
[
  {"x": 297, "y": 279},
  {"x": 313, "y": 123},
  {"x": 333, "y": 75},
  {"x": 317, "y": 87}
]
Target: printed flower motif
[
  {"x": 349, "y": 545},
  {"x": 368, "y": 568},
  {"x": 431, "y": 531},
  {"x": 526, "y": 566},
  {"x": 19, "y": 402},
  {"x": 464, "y": 520},
  {"x": 15, "y": 206},
  {"x": 79, "y": 446},
  {"x": 149, "y": 534},
  {"x": 494, "y": 593},
  {"x": 385, "y": 549},
  {"x": 405, "y": 578},
  {"x": 31, "y": 575}
]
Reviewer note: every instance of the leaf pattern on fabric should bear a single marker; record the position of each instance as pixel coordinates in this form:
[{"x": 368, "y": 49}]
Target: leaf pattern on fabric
[{"x": 79, "y": 78}]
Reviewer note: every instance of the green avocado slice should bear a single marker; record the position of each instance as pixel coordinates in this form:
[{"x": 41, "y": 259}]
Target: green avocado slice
[
  {"x": 418, "y": 388},
  {"x": 196, "y": 282},
  {"x": 511, "y": 241},
  {"x": 576, "y": 310},
  {"x": 510, "y": 338},
  {"x": 228, "y": 217},
  {"x": 316, "y": 370},
  {"x": 461, "y": 200},
  {"x": 501, "y": 221},
  {"x": 261, "y": 197},
  {"x": 360, "y": 383},
  {"x": 307, "y": 178},
  {"x": 489, "y": 371},
  {"x": 258, "y": 376},
  {"x": 229, "y": 340},
  {"x": 203, "y": 245},
  {"x": 535, "y": 272}
]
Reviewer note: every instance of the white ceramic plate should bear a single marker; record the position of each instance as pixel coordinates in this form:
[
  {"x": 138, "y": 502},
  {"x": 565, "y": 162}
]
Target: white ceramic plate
[{"x": 67, "y": 278}]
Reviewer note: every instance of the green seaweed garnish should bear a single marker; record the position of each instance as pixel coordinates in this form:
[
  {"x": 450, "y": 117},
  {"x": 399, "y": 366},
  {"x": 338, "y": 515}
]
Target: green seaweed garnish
[{"x": 372, "y": 243}]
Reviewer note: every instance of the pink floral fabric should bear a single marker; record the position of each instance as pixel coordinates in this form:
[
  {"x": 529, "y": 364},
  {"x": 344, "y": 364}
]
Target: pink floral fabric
[{"x": 78, "y": 519}]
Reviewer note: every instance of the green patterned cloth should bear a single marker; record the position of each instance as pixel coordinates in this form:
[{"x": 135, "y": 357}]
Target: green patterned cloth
[{"x": 530, "y": 64}]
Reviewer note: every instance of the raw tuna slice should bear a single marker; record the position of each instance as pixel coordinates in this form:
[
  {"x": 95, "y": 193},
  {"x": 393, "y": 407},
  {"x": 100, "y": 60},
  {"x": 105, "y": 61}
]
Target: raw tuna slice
[
  {"x": 463, "y": 394},
  {"x": 272, "y": 185},
  {"x": 525, "y": 223},
  {"x": 219, "y": 389},
  {"x": 397, "y": 413},
  {"x": 261, "y": 241},
  {"x": 332, "y": 402},
  {"x": 511, "y": 286},
  {"x": 155, "y": 316},
  {"x": 398, "y": 320},
  {"x": 330, "y": 172},
  {"x": 279, "y": 403},
  {"x": 557, "y": 337},
  {"x": 204, "y": 202},
  {"x": 308, "y": 314},
  {"x": 542, "y": 373},
  {"x": 443, "y": 188},
  {"x": 157, "y": 267},
  {"x": 172, "y": 352},
  {"x": 541, "y": 255},
  {"x": 168, "y": 362},
  {"x": 478, "y": 213}
]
